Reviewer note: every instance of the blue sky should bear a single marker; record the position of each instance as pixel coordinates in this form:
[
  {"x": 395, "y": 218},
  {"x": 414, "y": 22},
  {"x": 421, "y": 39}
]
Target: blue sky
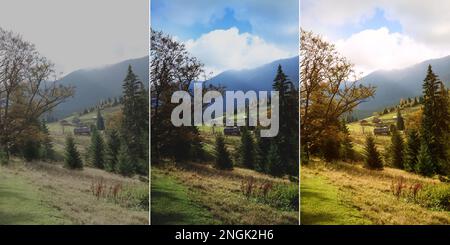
[
  {"x": 231, "y": 34},
  {"x": 381, "y": 34}
]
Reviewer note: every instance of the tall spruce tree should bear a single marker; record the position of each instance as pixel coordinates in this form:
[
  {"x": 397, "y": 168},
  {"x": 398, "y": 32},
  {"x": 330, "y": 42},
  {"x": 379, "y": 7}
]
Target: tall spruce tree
[
  {"x": 135, "y": 116},
  {"x": 412, "y": 150},
  {"x": 72, "y": 158},
  {"x": 287, "y": 138},
  {"x": 435, "y": 122},
  {"x": 97, "y": 150},
  {"x": 223, "y": 159},
  {"x": 372, "y": 158},
  {"x": 397, "y": 150}
]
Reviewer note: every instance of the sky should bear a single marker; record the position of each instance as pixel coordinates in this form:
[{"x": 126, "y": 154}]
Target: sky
[
  {"x": 232, "y": 34},
  {"x": 82, "y": 33},
  {"x": 381, "y": 34}
]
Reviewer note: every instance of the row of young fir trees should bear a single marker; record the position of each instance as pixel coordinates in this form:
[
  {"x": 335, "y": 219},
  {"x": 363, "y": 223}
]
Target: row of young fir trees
[
  {"x": 126, "y": 148},
  {"x": 426, "y": 149},
  {"x": 276, "y": 156}
]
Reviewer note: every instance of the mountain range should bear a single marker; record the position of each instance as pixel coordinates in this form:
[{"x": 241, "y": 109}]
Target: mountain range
[
  {"x": 93, "y": 85},
  {"x": 393, "y": 85},
  {"x": 259, "y": 78}
]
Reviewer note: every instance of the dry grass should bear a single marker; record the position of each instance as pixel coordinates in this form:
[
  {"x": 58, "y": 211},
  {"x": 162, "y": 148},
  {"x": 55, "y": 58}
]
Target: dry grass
[
  {"x": 369, "y": 192},
  {"x": 69, "y": 192},
  {"x": 220, "y": 193}
]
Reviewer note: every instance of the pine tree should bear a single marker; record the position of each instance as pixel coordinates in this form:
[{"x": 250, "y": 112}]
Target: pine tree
[
  {"x": 223, "y": 159},
  {"x": 287, "y": 138},
  {"x": 372, "y": 156},
  {"x": 125, "y": 164},
  {"x": 435, "y": 120},
  {"x": 72, "y": 158},
  {"x": 100, "y": 121},
  {"x": 424, "y": 164},
  {"x": 112, "y": 149},
  {"x": 397, "y": 150},
  {"x": 412, "y": 150},
  {"x": 97, "y": 150},
  {"x": 135, "y": 116},
  {"x": 247, "y": 154},
  {"x": 400, "y": 121},
  {"x": 275, "y": 165}
]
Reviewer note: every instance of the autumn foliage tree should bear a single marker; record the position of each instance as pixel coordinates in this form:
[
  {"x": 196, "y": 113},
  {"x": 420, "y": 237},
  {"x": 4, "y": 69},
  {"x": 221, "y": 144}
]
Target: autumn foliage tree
[
  {"x": 329, "y": 89},
  {"x": 28, "y": 88}
]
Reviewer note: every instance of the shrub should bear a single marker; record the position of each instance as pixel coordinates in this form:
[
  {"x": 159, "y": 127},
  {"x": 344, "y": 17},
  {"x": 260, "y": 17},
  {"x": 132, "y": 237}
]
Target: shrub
[
  {"x": 435, "y": 197},
  {"x": 3, "y": 157},
  {"x": 284, "y": 196}
]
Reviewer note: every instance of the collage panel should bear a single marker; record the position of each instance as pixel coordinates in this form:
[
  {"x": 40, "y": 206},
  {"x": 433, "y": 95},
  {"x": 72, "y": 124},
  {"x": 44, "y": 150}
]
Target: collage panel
[
  {"x": 224, "y": 112},
  {"x": 374, "y": 113},
  {"x": 74, "y": 113}
]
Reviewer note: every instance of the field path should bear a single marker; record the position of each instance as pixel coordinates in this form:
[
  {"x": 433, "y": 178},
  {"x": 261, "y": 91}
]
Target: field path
[
  {"x": 171, "y": 204},
  {"x": 22, "y": 203},
  {"x": 320, "y": 204}
]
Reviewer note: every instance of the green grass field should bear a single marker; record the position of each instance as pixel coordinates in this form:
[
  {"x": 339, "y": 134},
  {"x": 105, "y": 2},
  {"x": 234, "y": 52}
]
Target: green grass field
[
  {"x": 47, "y": 193},
  {"x": 22, "y": 204},
  {"x": 171, "y": 204},
  {"x": 320, "y": 205}
]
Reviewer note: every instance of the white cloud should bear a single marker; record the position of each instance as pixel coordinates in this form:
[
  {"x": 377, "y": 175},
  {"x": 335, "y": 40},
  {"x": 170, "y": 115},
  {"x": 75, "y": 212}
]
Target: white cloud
[
  {"x": 425, "y": 21},
  {"x": 370, "y": 50},
  {"x": 82, "y": 33},
  {"x": 222, "y": 50}
]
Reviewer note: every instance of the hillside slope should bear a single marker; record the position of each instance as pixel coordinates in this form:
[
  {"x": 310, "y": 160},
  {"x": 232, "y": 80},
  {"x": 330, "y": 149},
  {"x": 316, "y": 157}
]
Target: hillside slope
[{"x": 93, "y": 85}]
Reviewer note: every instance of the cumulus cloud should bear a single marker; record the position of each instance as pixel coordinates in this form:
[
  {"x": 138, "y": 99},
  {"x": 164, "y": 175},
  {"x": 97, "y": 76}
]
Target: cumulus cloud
[
  {"x": 370, "y": 50},
  {"x": 421, "y": 20},
  {"x": 228, "y": 49}
]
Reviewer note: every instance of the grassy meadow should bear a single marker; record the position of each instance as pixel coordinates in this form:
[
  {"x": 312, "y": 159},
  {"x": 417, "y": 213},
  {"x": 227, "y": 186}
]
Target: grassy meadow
[
  {"x": 47, "y": 193},
  {"x": 197, "y": 193},
  {"x": 347, "y": 193}
]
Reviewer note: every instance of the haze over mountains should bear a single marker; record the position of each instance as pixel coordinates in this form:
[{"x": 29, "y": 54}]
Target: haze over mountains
[
  {"x": 93, "y": 85},
  {"x": 259, "y": 78},
  {"x": 401, "y": 83}
]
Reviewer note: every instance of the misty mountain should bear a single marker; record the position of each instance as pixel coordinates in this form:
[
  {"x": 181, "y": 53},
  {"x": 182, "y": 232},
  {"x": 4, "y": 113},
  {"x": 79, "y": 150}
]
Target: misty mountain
[
  {"x": 401, "y": 83},
  {"x": 93, "y": 85},
  {"x": 259, "y": 78}
]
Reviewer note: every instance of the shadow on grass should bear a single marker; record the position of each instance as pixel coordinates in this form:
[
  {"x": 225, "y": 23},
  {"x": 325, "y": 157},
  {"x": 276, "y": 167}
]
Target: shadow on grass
[
  {"x": 320, "y": 205},
  {"x": 171, "y": 205}
]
